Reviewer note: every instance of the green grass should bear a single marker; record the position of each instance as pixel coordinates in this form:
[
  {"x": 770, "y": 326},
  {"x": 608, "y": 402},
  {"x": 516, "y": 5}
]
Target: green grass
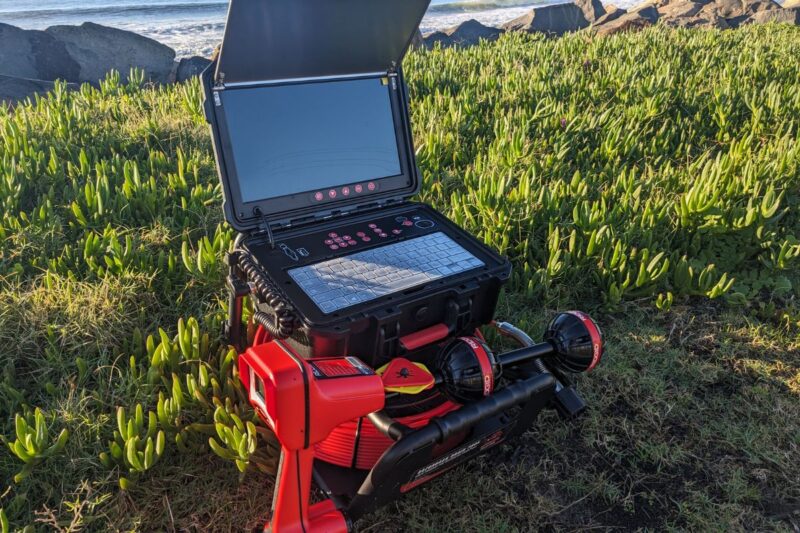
[{"x": 653, "y": 179}]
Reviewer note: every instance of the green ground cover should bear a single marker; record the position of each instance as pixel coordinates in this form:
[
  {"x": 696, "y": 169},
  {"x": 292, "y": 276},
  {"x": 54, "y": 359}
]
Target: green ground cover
[{"x": 653, "y": 179}]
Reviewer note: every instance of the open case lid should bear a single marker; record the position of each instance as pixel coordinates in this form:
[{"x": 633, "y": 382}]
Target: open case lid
[{"x": 307, "y": 107}]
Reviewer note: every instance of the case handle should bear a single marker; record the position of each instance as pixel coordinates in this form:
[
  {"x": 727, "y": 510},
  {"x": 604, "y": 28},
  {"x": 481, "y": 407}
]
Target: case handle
[{"x": 425, "y": 336}]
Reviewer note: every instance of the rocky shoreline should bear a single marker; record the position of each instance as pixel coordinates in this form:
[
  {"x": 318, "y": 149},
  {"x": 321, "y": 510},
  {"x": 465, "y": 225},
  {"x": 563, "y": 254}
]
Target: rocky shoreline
[{"x": 31, "y": 59}]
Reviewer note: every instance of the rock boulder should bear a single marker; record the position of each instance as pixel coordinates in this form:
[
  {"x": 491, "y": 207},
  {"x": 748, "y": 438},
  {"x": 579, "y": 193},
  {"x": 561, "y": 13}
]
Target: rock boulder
[
  {"x": 98, "y": 49},
  {"x": 13, "y": 89},
  {"x": 679, "y": 9},
  {"x": 417, "y": 41},
  {"x": 34, "y": 54},
  {"x": 612, "y": 13},
  {"x": 790, "y": 16},
  {"x": 465, "y": 34},
  {"x": 556, "y": 19},
  {"x": 643, "y": 17},
  {"x": 189, "y": 67},
  {"x": 592, "y": 9},
  {"x": 736, "y": 12}
]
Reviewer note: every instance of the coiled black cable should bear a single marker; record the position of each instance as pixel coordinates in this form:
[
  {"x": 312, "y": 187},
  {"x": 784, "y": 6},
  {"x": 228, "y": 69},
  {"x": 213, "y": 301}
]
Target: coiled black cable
[{"x": 282, "y": 324}]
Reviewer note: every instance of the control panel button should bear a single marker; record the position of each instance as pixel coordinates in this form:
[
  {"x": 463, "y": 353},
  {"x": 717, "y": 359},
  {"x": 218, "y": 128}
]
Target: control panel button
[
  {"x": 346, "y": 237},
  {"x": 361, "y": 234},
  {"x": 332, "y": 193},
  {"x": 318, "y": 196},
  {"x": 352, "y": 242},
  {"x": 358, "y": 188},
  {"x": 345, "y": 191},
  {"x": 424, "y": 224},
  {"x": 383, "y": 235},
  {"x": 333, "y": 235},
  {"x": 366, "y": 239},
  {"x": 342, "y": 245},
  {"x": 328, "y": 241},
  {"x": 373, "y": 226},
  {"x": 408, "y": 223},
  {"x": 333, "y": 247},
  {"x": 371, "y": 186},
  {"x": 397, "y": 231}
]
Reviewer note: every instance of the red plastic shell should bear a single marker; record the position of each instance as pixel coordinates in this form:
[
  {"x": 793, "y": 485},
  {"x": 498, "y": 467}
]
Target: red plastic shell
[{"x": 340, "y": 446}]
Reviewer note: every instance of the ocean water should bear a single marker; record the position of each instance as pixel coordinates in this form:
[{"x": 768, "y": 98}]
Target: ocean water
[{"x": 195, "y": 26}]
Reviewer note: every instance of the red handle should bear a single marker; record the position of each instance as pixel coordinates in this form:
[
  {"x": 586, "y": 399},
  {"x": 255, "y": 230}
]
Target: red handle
[{"x": 423, "y": 337}]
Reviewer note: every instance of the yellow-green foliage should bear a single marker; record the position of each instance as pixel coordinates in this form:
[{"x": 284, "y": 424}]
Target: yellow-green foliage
[{"x": 620, "y": 168}]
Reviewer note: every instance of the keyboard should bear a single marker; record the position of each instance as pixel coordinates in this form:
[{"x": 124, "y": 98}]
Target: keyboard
[{"x": 360, "y": 277}]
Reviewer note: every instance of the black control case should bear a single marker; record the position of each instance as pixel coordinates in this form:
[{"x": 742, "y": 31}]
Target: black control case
[{"x": 300, "y": 231}]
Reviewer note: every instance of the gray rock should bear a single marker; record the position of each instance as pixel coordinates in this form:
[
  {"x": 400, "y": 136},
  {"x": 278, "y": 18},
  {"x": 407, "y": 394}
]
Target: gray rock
[
  {"x": 98, "y": 49},
  {"x": 189, "y": 67},
  {"x": 700, "y": 21},
  {"x": 737, "y": 11},
  {"x": 633, "y": 21},
  {"x": 612, "y": 13},
  {"x": 680, "y": 9},
  {"x": 13, "y": 89},
  {"x": 790, "y": 16},
  {"x": 417, "y": 41},
  {"x": 645, "y": 6},
  {"x": 647, "y": 11},
  {"x": 555, "y": 20},
  {"x": 592, "y": 9},
  {"x": 465, "y": 34},
  {"x": 34, "y": 54}
]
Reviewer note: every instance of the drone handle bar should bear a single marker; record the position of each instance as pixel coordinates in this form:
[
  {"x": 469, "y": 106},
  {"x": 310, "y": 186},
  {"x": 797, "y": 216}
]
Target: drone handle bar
[{"x": 525, "y": 354}]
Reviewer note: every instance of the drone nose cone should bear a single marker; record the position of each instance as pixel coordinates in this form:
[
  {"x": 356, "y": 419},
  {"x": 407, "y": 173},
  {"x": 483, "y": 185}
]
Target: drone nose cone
[{"x": 577, "y": 340}]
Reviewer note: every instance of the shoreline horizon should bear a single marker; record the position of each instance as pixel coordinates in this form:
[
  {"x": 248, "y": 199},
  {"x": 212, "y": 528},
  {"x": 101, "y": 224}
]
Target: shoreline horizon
[{"x": 199, "y": 36}]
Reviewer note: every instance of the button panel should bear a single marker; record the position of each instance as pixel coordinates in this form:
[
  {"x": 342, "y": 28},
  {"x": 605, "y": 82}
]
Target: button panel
[
  {"x": 346, "y": 238},
  {"x": 343, "y": 192}
]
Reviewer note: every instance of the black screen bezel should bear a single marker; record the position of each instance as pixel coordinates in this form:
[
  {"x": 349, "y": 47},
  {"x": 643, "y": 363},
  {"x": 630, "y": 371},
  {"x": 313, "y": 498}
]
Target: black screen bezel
[{"x": 298, "y": 204}]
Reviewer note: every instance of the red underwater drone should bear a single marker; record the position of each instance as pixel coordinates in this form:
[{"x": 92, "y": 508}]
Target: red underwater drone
[{"x": 335, "y": 410}]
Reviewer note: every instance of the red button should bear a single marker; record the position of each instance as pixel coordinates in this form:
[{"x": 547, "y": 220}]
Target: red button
[
  {"x": 384, "y": 235},
  {"x": 360, "y": 234},
  {"x": 347, "y": 237},
  {"x": 338, "y": 240},
  {"x": 318, "y": 196},
  {"x": 332, "y": 193},
  {"x": 346, "y": 191},
  {"x": 352, "y": 243},
  {"x": 377, "y": 230},
  {"x": 329, "y": 241},
  {"x": 334, "y": 247},
  {"x": 365, "y": 239},
  {"x": 371, "y": 186},
  {"x": 408, "y": 223},
  {"x": 333, "y": 235},
  {"x": 342, "y": 245},
  {"x": 397, "y": 231},
  {"x": 359, "y": 188},
  {"x": 373, "y": 225}
]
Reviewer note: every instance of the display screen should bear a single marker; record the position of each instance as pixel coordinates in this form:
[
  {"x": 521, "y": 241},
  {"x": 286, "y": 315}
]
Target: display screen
[{"x": 289, "y": 139}]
